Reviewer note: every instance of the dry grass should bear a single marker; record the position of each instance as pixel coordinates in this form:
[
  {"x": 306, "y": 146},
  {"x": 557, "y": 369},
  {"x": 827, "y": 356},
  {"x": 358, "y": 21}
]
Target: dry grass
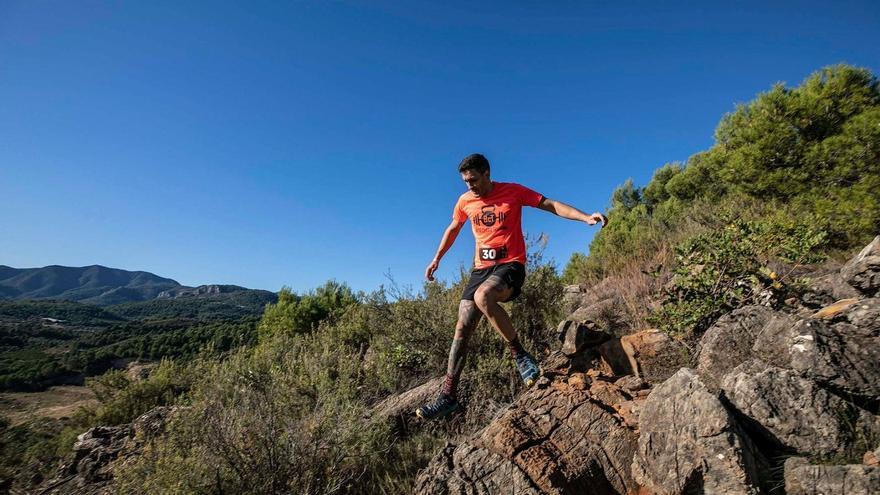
[
  {"x": 54, "y": 403},
  {"x": 636, "y": 286}
]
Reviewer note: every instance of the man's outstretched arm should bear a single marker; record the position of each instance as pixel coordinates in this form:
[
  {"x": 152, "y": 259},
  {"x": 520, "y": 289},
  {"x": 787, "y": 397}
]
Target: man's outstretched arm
[
  {"x": 449, "y": 236},
  {"x": 565, "y": 211}
]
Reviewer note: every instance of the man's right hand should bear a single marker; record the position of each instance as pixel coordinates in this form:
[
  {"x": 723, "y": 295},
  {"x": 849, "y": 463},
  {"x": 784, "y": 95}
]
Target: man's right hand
[{"x": 429, "y": 272}]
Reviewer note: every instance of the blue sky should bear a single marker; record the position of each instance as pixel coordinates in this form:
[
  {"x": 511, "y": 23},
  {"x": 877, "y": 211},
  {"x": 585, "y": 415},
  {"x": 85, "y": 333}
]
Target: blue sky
[{"x": 263, "y": 145}]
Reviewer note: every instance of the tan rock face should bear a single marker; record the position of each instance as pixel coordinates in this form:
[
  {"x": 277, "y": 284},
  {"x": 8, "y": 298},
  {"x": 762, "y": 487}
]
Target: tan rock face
[
  {"x": 562, "y": 438},
  {"x": 650, "y": 355}
]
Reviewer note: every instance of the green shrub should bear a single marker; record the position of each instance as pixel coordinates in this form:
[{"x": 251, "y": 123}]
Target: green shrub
[
  {"x": 122, "y": 399},
  {"x": 294, "y": 314},
  {"x": 718, "y": 271},
  {"x": 279, "y": 418}
]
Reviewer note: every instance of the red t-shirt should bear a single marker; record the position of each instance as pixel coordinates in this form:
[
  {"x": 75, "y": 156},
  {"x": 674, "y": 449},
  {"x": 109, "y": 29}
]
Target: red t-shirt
[{"x": 495, "y": 221}]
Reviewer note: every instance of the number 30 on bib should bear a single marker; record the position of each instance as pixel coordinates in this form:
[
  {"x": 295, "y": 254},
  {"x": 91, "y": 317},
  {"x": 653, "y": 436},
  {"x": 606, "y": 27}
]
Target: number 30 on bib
[{"x": 488, "y": 254}]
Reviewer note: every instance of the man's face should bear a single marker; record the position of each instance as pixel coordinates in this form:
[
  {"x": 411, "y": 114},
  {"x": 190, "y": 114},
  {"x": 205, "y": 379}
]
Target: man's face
[{"x": 477, "y": 183}]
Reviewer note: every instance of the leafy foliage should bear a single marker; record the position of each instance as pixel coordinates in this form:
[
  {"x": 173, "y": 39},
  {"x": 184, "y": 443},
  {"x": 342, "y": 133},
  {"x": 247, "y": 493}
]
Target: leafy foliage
[
  {"x": 34, "y": 356},
  {"x": 294, "y": 314},
  {"x": 812, "y": 152},
  {"x": 718, "y": 271}
]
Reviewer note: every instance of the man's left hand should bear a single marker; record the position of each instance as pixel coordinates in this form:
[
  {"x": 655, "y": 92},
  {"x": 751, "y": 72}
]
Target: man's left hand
[{"x": 597, "y": 218}]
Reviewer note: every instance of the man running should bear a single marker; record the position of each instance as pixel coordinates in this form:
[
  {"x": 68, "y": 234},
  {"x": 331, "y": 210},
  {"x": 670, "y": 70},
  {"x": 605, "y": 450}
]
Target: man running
[{"x": 494, "y": 210}]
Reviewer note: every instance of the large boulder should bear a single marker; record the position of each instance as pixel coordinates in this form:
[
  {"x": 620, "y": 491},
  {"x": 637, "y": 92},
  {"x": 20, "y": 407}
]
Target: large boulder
[
  {"x": 864, "y": 313},
  {"x": 728, "y": 343},
  {"x": 841, "y": 356},
  {"x": 863, "y": 271},
  {"x": 559, "y": 437},
  {"x": 690, "y": 443},
  {"x": 803, "y": 478},
  {"x": 795, "y": 413}
]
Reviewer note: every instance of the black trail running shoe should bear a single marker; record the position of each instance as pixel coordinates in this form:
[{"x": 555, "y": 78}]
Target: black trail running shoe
[
  {"x": 442, "y": 406},
  {"x": 527, "y": 368}
]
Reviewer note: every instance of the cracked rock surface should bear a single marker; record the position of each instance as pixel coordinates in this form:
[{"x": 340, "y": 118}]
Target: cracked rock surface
[
  {"x": 842, "y": 356},
  {"x": 728, "y": 343},
  {"x": 803, "y": 478},
  {"x": 690, "y": 443},
  {"x": 863, "y": 271},
  {"x": 794, "y": 412},
  {"x": 561, "y": 438}
]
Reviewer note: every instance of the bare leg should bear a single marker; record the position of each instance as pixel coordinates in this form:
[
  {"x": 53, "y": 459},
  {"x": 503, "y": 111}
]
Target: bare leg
[
  {"x": 493, "y": 290},
  {"x": 487, "y": 297},
  {"x": 468, "y": 318}
]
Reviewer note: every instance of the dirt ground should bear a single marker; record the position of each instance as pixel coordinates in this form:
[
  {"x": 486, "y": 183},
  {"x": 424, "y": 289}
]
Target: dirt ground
[{"x": 56, "y": 402}]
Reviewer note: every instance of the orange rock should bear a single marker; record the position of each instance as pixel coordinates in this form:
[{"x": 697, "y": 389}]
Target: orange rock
[
  {"x": 651, "y": 355},
  {"x": 835, "y": 309},
  {"x": 578, "y": 381}
]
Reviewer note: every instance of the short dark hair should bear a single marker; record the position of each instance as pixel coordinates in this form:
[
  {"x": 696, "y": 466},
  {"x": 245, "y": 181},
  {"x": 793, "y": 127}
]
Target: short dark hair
[{"x": 475, "y": 162}]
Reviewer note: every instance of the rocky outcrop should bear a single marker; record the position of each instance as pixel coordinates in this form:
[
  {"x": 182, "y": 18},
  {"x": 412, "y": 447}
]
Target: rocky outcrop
[
  {"x": 803, "y": 478},
  {"x": 200, "y": 291},
  {"x": 863, "y": 271},
  {"x": 795, "y": 413},
  {"x": 823, "y": 290},
  {"x": 690, "y": 443},
  {"x": 89, "y": 471},
  {"x": 473, "y": 470},
  {"x": 573, "y": 433},
  {"x": 602, "y": 314},
  {"x": 728, "y": 343},
  {"x": 841, "y": 356}
]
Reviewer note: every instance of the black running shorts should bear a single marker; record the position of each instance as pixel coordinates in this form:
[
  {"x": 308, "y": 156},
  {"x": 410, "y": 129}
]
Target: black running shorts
[{"x": 513, "y": 274}]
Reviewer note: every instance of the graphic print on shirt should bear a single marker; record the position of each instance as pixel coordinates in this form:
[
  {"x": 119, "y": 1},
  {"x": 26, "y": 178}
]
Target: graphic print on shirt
[
  {"x": 488, "y": 217},
  {"x": 495, "y": 221},
  {"x": 491, "y": 217}
]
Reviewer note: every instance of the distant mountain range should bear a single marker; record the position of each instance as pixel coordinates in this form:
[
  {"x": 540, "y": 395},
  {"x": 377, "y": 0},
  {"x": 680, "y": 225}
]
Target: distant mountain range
[{"x": 103, "y": 286}]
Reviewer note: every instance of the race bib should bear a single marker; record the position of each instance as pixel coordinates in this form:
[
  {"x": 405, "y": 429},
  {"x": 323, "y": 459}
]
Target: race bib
[{"x": 492, "y": 254}]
